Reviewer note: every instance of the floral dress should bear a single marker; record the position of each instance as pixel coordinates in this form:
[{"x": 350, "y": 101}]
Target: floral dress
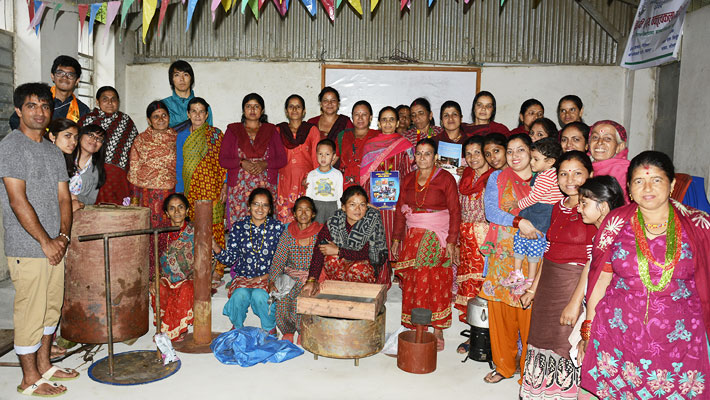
[{"x": 665, "y": 358}]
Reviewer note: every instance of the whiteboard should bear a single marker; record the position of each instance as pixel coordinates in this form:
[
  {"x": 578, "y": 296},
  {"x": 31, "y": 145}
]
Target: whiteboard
[{"x": 394, "y": 85}]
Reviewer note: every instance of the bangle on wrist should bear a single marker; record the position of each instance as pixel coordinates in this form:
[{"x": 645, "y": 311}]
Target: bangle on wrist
[
  {"x": 516, "y": 221},
  {"x": 65, "y": 236},
  {"x": 311, "y": 279},
  {"x": 530, "y": 291}
]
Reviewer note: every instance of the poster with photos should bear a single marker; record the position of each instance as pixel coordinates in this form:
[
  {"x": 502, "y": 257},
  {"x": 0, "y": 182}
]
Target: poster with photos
[{"x": 384, "y": 189}]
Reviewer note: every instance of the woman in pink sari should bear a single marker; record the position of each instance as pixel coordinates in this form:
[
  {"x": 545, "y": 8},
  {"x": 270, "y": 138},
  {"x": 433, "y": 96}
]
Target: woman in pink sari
[
  {"x": 607, "y": 147},
  {"x": 300, "y": 140}
]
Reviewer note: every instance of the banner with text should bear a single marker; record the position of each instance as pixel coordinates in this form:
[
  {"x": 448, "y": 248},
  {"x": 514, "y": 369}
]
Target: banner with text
[{"x": 655, "y": 34}]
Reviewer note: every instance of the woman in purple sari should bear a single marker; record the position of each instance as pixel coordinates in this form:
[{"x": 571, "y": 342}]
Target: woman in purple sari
[{"x": 648, "y": 299}]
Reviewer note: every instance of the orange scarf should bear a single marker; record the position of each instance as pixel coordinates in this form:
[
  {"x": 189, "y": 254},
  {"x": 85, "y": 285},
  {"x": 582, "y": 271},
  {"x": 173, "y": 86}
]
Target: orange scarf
[{"x": 73, "y": 112}]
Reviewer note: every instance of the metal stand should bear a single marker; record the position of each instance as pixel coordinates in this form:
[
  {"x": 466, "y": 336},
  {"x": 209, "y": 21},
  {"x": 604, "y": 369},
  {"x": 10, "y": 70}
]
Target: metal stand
[{"x": 149, "y": 371}]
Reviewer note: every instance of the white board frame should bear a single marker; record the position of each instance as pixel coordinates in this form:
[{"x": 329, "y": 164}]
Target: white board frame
[{"x": 357, "y": 82}]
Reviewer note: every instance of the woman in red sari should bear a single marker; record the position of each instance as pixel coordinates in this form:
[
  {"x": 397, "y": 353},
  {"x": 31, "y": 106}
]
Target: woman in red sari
[
  {"x": 450, "y": 116},
  {"x": 350, "y": 143},
  {"x": 300, "y": 140},
  {"x": 530, "y": 110},
  {"x": 426, "y": 230},
  {"x": 474, "y": 226},
  {"x": 176, "y": 271},
  {"x": 252, "y": 152},
  {"x": 483, "y": 112},
  {"x": 389, "y": 151},
  {"x": 329, "y": 122},
  {"x": 423, "y": 120}
]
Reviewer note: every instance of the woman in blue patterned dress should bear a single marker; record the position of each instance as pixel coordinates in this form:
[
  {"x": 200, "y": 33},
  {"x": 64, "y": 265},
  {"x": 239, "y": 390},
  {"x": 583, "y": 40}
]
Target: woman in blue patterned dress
[
  {"x": 293, "y": 258},
  {"x": 250, "y": 247}
]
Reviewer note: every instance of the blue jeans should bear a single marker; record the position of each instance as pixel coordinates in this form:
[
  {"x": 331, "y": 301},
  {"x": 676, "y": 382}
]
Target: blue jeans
[{"x": 238, "y": 305}]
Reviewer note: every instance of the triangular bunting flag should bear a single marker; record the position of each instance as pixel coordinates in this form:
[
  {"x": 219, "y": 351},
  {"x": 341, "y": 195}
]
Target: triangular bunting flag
[
  {"x": 227, "y": 4},
  {"x": 356, "y": 5},
  {"x": 402, "y": 4},
  {"x": 94, "y": 9},
  {"x": 244, "y": 5},
  {"x": 329, "y": 8},
  {"x": 111, "y": 12},
  {"x": 163, "y": 8},
  {"x": 213, "y": 7},
  {"x": 124, "y": 10},
  {"x": 430, "y": 2},
  {"x": 254, "y": 6},
  {"x": 310, "y": 6},
  {"x": 58, "y": 6},
  {"x": 39, "y": 8},
  {"x": 373, "y": 4},
  {"x": 83, "y": 10},
  {"x": 261, "y": 3},
  {"x": 101, "y": 15},
  {"x": 190, "y": 10},
  {"x": 31, "y": 11},
  {"x": 281, "y": 6},
  {"x": 148, "y": 13}
]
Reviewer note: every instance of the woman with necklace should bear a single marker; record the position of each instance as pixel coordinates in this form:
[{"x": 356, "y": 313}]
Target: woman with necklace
[
  {"x": 426, "y": 230},
  {"x": 648, "y": 298},
  {"x": 570, "y": 241},
  {"x": 509, "y": 319},
  {"x": 329, "y": 122},
  {"x": 252, "y": 152},
  {"x": 300, "y": 140},
  {"x": 469, "y": 273},
  {"x": 450, "y": 117},
  {"x": 250, "y": 248},
  {"x": 350, "y": 143},
  {"x": 423, "y": 120},
  {"x": 293, "y": 256}
]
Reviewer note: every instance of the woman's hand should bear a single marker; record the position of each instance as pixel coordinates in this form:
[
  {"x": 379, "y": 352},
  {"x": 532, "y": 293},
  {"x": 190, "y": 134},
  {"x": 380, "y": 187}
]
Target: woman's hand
[
  {"x": 570, "y": 314},
  {"x": 329, "y": 249},
  {"x": 271, "y": 288},
  {"x": 527, "y": 230},
  {"x": 451, "y": 252},
  {"x": 509, "y": 205},
  {"x": 215, "y": 246},
  {"x": 310, "y": 289},
  {"x": 259, "y": 167},
  {"x": 457, "y": 254},
  {"x": 526, "y": 299},
  {"x": 394, "y": 249},
  {"x": 258, "y": 279},
  {"x": 223, "y": 193},
  {"x": 581, "y": 349},
  {"x": 459, "y": 170}
]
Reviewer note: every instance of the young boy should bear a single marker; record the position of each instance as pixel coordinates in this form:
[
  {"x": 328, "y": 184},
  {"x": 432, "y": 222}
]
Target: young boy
[
  {"x": 537, "y": 208},
  {"x": 325, "y": 183}
]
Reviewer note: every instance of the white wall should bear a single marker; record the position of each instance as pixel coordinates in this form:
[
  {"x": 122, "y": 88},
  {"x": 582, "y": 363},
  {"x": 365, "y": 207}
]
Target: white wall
[
  {"x": 606, "y": 91},
  {"x": 27, "y": 47},
  {"x": 693, "y": 118}
]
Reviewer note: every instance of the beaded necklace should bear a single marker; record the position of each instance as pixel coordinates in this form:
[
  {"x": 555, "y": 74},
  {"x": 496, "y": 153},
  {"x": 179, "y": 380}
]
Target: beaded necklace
[
  {"x": 643, "y": 254},
  {"x": 263, "y": 239},
  {"x": 424, "y": 188}
]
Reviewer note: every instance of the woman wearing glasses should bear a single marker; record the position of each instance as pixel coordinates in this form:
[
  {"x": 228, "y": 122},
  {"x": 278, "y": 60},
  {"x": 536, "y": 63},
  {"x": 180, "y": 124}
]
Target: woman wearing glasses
[{"x": 90, "y": 174}]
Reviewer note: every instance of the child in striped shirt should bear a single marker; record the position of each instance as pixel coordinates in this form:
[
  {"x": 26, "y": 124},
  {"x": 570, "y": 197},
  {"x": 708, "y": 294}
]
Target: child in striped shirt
[{"x": 536, "y": 208}]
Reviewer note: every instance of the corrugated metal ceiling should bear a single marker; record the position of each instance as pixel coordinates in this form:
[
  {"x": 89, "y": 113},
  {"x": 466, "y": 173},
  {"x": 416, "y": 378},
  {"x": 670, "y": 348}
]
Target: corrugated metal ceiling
[{"x": 450, "y": 32}]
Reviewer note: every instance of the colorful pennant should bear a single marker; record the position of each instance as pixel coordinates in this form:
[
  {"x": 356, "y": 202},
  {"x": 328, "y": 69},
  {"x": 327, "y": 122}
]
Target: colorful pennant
[
  {"x": 190, "y": 11},
  {"x": 310, "y": 6},
  {"x": 329, "y": 8},
  {"x": 163, "y": 8},
  {"x": 101, "y": 15},
  {"x": 213, "y": 8},
  {"x": 83, "y": 10},
  {"x": 111, "y": 12},
  {"x": 124, "y": 10},
  {"x": 356, "y": 5},
  {"x": 227, "y": 4},
  {"x": 93, "y": 11},
  {"x": 38, "y": 8},
  {"x": 148, "y": 13},
  {"x": 281, "y": 6},
  {"x": 373, "y": 4}
]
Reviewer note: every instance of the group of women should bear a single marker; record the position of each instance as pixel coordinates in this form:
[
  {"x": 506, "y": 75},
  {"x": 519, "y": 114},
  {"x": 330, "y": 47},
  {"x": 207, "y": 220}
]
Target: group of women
[{"x": 618, "y": 308}]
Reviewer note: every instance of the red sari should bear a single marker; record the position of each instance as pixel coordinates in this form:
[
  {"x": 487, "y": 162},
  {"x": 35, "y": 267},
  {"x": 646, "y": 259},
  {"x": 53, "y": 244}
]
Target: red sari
[
  {"x": 341, "y": 124},
  {"x": 301, "y": 159},
  {"x": 350, "y": 151},
  {"x": 423, "y": 268},
  {"x": 484, "y": 129}
]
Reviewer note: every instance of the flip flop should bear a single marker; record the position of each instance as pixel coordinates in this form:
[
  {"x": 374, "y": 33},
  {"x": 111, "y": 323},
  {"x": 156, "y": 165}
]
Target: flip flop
[
  {"x": 49, "y": 375},
  {"x": 30, "y": 390},
  {"x": 57, "y": 351},
  {"x": 492, "y": 375},
  {"x": 463, "y": 348}
]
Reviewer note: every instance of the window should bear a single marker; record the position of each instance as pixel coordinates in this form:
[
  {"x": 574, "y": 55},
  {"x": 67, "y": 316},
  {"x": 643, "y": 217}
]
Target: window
[{"x": 86, "y": 90}]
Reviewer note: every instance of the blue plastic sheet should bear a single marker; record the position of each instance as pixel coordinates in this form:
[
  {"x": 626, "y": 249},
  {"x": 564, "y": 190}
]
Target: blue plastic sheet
[
  {"x": 249, "y": 345},
  {"x": 695, "y": 196}
]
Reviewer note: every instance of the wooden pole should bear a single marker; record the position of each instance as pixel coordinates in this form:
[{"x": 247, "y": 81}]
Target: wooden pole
[{"x": 202, "y": 306}]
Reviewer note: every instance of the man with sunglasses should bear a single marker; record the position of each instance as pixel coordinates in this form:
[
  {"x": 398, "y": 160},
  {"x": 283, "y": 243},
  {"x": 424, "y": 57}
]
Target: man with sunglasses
[{"x": 66, "y": 72}]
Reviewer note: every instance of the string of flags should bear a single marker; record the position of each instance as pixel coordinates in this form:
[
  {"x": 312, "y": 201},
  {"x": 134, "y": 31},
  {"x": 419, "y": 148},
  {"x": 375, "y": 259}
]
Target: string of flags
[{"x": 107, "y": 12}]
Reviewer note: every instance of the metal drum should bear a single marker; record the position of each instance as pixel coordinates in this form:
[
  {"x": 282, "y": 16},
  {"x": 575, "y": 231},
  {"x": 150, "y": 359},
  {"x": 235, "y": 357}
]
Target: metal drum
[
  {"x": 343, "y": 338},
  {"x": 84, "y": 312},
  {"x": 477, "y": 312}
]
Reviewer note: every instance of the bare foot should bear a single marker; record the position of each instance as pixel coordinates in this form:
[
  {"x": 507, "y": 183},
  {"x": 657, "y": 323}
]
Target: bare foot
[{"x": 439, "y": 334}]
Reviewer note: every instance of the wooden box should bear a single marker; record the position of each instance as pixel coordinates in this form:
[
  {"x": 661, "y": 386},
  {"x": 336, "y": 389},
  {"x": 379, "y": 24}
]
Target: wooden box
[{"x": 344, "y": 300}]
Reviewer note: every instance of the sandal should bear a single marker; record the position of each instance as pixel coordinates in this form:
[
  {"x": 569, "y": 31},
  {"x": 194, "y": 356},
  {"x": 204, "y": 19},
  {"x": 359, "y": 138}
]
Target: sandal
[
  {"x": 49, "y": 374},
  {"x": 463, "y": 348},
  {"x": 30, "y": 390},
  {"x": 494, "y": 377},
  {"x": 57, "y": 351}
]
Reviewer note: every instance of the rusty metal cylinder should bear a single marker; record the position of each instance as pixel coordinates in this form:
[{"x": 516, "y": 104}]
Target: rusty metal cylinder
[
  {"x": 84, "y": 311},
  {"x": 343, "y": 338},
  {"x": 416, "y": 357}
]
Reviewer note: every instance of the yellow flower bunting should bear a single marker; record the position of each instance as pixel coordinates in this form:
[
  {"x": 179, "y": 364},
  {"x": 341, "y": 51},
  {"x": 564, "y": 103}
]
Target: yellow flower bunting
[{"x": 149, "y": 7}]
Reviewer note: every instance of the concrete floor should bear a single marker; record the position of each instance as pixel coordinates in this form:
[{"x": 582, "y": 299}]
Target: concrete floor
[{"x": 202, "y": 375}]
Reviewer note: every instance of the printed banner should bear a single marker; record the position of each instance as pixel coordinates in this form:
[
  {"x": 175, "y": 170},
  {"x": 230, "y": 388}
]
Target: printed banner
[
  {"x": 449, "y": 157},
  {"x": 655, "y": 34},
  {"x": 384, "y": 189}
]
